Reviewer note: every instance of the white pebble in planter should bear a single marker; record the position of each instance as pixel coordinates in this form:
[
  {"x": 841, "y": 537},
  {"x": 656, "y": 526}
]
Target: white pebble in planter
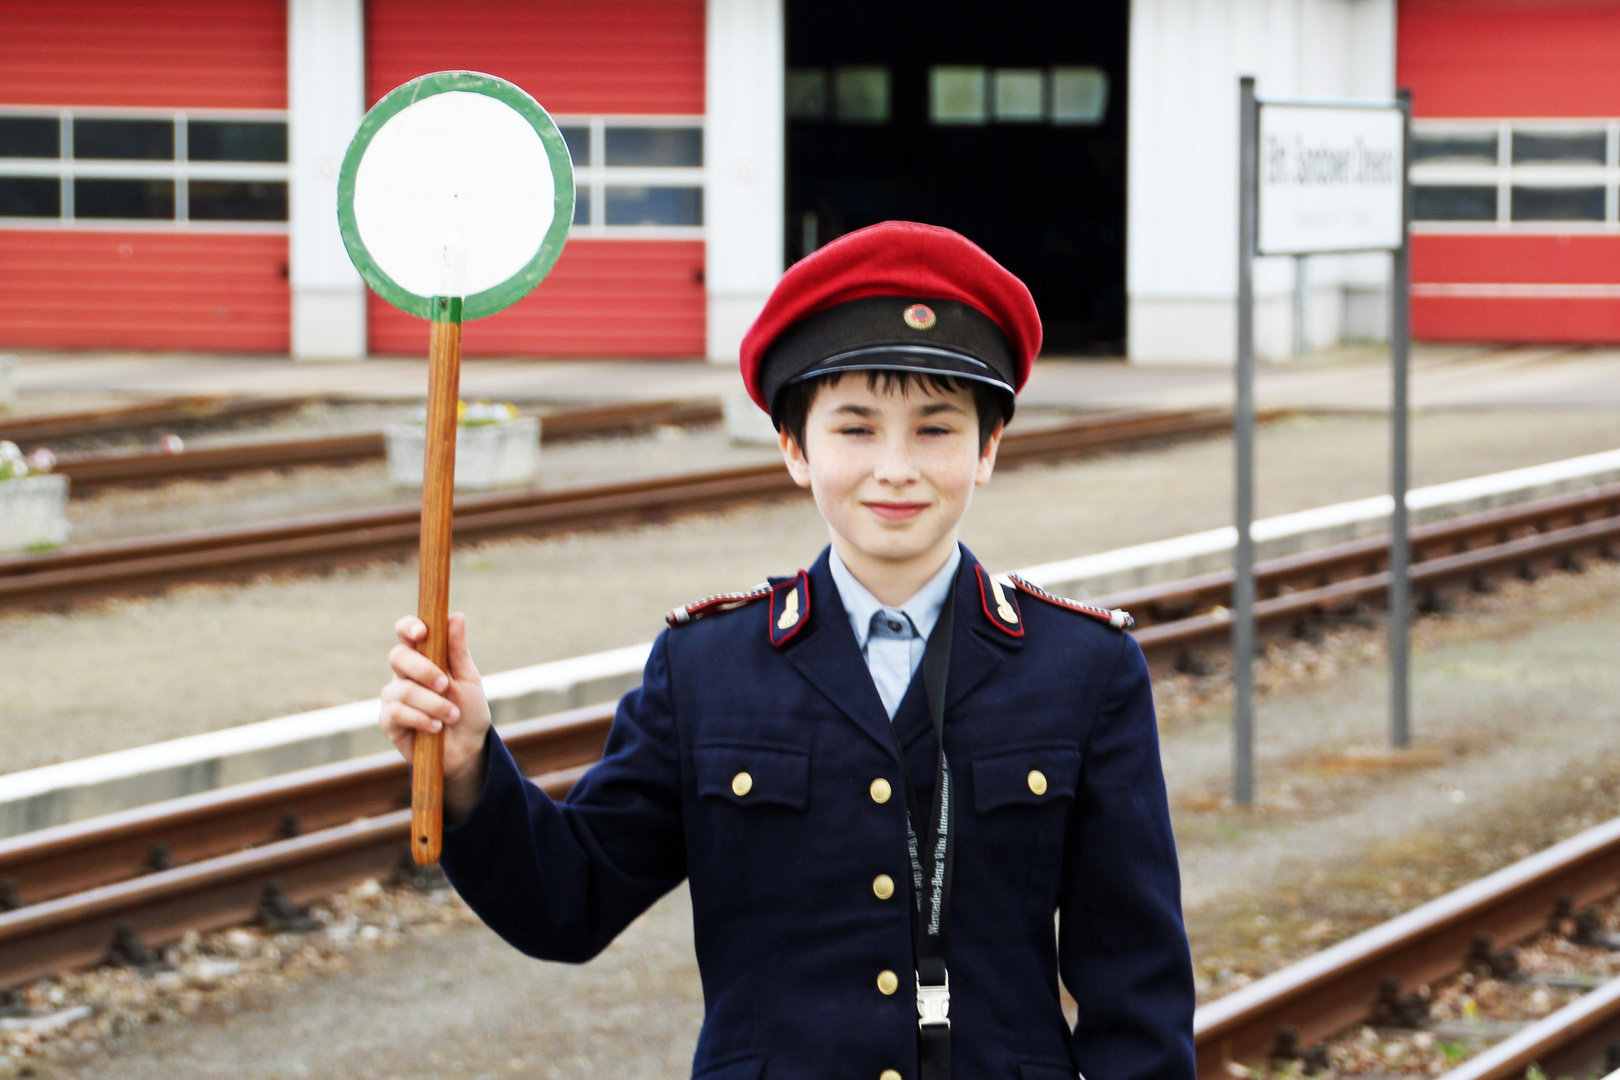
[
  {"x": 33, "y": 512},
  {"x": 505, "y": 454}
]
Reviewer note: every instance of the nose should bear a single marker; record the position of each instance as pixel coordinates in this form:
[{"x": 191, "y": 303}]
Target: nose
[{"x": 894, "y": 465}]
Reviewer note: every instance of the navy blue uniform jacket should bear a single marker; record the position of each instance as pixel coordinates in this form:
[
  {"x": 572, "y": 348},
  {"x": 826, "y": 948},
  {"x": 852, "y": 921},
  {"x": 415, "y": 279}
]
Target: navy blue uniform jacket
[{"x": 790, "y": 934}]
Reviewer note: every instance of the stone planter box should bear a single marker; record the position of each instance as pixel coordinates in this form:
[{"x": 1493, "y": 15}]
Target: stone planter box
[
  {"x": 33, "y": 512},
  {"x": 487, "y": 455}
]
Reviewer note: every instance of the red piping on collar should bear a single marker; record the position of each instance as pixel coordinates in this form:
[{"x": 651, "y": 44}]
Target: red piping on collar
[
  {"x": 799, "y": 583},
  {"x": 1016, "y": 630}
]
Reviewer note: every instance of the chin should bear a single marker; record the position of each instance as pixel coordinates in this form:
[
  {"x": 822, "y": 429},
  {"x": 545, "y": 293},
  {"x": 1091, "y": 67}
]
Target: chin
[{"x": 897, "y": 548}]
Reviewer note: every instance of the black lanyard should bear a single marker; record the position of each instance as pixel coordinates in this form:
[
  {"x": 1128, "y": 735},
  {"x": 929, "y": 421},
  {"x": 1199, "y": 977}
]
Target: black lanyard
[{"x": 931, "y": 865}]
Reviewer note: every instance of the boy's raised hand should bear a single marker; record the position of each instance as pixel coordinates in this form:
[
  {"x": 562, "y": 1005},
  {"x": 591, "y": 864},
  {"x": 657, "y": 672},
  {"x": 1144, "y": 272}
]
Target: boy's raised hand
[{"x": 421, "y": 698}]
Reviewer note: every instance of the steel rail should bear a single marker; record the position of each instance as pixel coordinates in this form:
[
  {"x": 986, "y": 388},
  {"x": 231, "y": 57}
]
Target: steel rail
[
  {"x": 1169, "y": 641},
  {"x": 30, "y": 432},
  {"x": 65, "y": 859},
  {"x": 96, "y": 471},
  {"x": 329, "y": 539},
  {"x": 75, "y": 894},
  {"x": 1337, "y": 987},
  {"x": 1567, "y": 1043}
]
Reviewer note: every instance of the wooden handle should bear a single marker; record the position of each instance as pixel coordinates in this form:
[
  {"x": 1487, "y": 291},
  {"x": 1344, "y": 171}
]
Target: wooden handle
[{"x": 433, "y": 587}]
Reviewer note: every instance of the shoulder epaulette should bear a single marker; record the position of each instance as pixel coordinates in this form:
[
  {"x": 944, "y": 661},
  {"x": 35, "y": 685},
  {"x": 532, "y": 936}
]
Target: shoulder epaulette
[
  {"x": 1119, "y": 620},
  {"x": 713, "y": 605}
]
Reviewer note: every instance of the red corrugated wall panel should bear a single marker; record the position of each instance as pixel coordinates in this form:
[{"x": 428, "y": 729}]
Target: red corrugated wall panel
[
  {"x": 1510, "y": 57},
  {"x": 629, "y": 298},
  {"x": 165, "y": 54},
  {"x": 611, "y": 298},
  {"x": 1499, "y": 59},
  {"x": 1472, "y": 264},
  {"x": 605, "y": 56},
  {"x": 144, "y": 290}
]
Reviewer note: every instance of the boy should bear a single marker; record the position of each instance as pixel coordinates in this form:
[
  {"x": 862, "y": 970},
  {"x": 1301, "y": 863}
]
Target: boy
[{"x": 881, "y": 776}]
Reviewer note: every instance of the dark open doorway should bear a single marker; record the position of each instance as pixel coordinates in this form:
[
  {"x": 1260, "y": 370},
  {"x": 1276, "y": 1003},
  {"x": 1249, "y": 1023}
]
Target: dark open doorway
[{"x": 1004, "y": 121}]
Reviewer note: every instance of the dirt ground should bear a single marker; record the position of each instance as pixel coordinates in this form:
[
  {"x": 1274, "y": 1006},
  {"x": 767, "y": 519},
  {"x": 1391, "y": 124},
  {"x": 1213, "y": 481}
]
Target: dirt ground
[
  {"x": 1516, "y": 706},
  {"x": 131, "y": 671}
]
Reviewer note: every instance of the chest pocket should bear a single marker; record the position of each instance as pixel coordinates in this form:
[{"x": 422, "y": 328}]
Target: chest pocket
[
  {"x": 750, "y": 775},
  {"x": 1034, "y": 776}
]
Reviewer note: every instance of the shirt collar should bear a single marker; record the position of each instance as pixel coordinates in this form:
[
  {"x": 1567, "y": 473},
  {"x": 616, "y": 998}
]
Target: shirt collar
[{"x": 922, "y": 609}]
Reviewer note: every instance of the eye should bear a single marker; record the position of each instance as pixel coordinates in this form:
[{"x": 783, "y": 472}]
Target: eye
[{"x": 855, "y": 429}]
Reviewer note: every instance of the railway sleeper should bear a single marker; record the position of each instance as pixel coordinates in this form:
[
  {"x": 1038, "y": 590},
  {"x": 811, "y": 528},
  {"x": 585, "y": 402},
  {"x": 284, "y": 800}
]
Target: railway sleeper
[
  {"x": 280, "y": 915},
  {"x": 1393, "y": 1009},
  {"x": 127, "y": 950},
  {"x": 1486, "y": 961},
  {"x": 1287, "y": 1049}
]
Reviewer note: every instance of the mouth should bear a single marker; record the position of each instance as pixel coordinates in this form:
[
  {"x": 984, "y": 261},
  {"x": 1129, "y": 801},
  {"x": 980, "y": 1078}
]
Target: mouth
[{"x": 896, "y": 511}]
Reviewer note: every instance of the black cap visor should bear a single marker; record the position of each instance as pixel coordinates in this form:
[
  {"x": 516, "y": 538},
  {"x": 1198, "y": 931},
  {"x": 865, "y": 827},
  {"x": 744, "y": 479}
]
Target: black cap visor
[{"x": 873, "y": 334}]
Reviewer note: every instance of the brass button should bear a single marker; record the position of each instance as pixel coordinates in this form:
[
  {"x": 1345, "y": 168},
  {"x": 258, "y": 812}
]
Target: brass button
[
  {"x": 1037, "y": 782},
  {"x": 883, "y": 886},
  {"x": 881, "y": 790},
  {"x": 889, "y": 1074},
  {"x": 888, "y": 981},
  {"x": 742, "y": 784}
]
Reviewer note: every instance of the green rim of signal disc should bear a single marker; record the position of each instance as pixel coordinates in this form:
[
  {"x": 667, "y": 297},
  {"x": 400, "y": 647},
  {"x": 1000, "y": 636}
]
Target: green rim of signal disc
[{"x": 520, "y": 284}]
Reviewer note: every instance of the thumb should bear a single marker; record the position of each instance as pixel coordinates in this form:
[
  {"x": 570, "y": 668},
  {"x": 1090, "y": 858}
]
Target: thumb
[{"x": 461, "y": 661}]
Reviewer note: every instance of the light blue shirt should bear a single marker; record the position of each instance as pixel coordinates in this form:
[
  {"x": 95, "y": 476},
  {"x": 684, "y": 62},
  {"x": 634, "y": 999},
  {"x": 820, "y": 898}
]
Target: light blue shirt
[{"x": 892, "y": 640}]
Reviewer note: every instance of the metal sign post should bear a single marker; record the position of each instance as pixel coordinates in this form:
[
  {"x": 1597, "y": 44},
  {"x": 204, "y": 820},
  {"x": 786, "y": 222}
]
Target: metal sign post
[
  {"x": 1318, "y": 177},
  {"x": 1243, "y": 439},
  {"x": 1400, "y": 547}
]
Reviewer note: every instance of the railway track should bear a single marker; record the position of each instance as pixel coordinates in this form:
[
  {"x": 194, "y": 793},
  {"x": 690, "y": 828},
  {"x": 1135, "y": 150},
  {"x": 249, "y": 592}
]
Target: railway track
[
  {"x": 1297, "y": 595},
  {"x": 98, "y": 471},
  {"x": 30, "y": 433},
  {"x": 326, "y": 540},
  {"x": 217, "y": 859}
]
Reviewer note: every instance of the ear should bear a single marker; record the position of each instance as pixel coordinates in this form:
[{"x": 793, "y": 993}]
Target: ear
[
  {"x": 798, "y": 465},
  {"x": 987, "y": 460}
]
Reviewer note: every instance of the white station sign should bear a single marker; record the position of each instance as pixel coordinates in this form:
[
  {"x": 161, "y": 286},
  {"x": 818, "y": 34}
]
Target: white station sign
[{"x": 1330, "y": 179}]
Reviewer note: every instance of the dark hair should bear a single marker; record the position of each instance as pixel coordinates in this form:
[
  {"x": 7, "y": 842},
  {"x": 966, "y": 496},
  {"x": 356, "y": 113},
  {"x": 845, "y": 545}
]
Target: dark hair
[{"x": 793, "y": 404}]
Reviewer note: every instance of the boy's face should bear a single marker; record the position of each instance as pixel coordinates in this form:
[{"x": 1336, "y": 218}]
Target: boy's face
[{"x": 892, "y": 471}]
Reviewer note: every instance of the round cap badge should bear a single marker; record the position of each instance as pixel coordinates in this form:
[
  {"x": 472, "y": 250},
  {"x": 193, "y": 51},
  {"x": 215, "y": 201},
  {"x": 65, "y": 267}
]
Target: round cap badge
[{"x": 919, "y": 317}]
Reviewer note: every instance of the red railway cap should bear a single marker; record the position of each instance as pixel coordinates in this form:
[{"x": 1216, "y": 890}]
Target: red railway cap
[{"x": 897, "y": 296}]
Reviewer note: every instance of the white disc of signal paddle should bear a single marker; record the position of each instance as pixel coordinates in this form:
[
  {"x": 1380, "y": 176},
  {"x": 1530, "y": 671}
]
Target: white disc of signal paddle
[{"x": 458, "y": 184}]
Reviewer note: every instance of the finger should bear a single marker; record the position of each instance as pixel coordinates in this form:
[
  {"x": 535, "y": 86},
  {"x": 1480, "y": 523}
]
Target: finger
[
  {"x": 461, "y": 661},
  {"x": 397, "y": 716},
  {"x": 410, "y": 630},
  {"x": 421, "y": 699},
  {"x": 412, "y": 665}
]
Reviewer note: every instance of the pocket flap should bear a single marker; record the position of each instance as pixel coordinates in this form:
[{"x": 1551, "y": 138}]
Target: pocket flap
[
  {"x": 1033, "y": 776},
  {"x": 750, "y": 775},
  {"x": 1047, "y": 1070}
]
